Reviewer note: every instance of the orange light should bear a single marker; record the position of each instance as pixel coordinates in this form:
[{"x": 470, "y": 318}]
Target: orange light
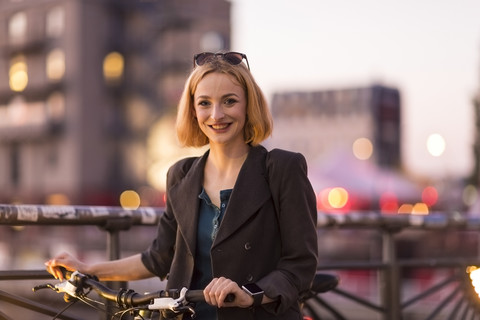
[
  {"x": 420, "y": 208},
  {"x": 405, "y": 208},
  {"x": 130, "y": 200},
  {"x": 57, "y": 199},
  {"x": 474, "y": 273}
]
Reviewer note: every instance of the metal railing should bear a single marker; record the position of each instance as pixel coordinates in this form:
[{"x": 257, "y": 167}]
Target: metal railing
[{"x": 391, "y": 306}]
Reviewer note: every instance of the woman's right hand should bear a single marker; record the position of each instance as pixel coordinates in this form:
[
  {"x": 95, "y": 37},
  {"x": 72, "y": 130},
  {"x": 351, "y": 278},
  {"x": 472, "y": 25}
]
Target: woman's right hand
[{"x": 66, "y": 261}]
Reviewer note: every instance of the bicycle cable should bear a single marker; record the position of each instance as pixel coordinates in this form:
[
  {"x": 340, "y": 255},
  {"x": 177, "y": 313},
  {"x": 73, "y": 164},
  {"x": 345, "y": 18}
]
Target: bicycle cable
[
  {"x": 123, "y": 312},
  {"x": 64, "y": 309}
]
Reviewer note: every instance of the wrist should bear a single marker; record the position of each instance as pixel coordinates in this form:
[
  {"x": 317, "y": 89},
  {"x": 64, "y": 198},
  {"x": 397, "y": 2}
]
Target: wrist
[{"x": 255, "y": 293}]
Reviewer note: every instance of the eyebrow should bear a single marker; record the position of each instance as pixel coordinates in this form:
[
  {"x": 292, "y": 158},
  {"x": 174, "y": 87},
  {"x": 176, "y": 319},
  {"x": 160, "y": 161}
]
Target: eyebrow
[{"x": 223, "y": 97}]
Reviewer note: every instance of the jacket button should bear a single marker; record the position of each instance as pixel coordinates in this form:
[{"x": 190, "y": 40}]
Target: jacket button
[
  {"x": 248, "y": 246},
  {"x": 249, "y": 278}
]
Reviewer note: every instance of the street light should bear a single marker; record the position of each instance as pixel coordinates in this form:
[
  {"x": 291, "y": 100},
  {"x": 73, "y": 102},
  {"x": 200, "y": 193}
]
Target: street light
[{"x": 436, "y": 144}]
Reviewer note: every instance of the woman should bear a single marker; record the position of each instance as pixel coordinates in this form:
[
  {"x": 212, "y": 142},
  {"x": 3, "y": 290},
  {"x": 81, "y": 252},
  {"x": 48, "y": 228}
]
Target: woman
[{"x": 239, "y": 219}]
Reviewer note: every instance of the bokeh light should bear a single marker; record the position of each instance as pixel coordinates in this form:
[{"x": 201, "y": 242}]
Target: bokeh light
[
  {"x": 420, "y": 208},
  {"x": 18, "y": 75},
  {"x": 405, "y": 208},
  {"x": 436, "y": 144},
  {"x": 430, "y": 196},
  {"x": 57, "y": 199},
  {"x": 362, "y": 148},
  {"x": 334, "y": 199},
  {"x": 129, "y": 199},
  {"x": 388, "y": 202},
  {"x": 337, "y": 197},
  {"x": 474, "y": 274},
  {"x": 113, "y": 66},
  {"x": 469, "y": 195}
]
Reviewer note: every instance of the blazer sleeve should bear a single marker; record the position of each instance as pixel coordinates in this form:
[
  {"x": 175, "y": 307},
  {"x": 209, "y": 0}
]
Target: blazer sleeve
[{"x": 295, "y": 203}]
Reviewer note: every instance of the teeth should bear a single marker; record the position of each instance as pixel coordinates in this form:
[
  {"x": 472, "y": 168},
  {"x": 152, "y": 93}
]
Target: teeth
[{"x": 219, "y": 126}]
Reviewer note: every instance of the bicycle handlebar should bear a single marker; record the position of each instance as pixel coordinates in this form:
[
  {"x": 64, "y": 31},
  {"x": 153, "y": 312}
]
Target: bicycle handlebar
[
  {"x": 176, "y": 300},
  {"x": 172, "y": 299}
]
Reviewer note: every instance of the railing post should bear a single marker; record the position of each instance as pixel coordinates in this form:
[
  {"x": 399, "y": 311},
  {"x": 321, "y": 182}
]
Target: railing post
[
  {"x": 389, "y": 277},
  {"x": 113, "y": 228}
]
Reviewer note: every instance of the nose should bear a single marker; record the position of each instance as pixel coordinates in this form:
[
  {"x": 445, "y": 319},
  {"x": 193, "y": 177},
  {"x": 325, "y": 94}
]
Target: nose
[{"x": 217, "y": 112}]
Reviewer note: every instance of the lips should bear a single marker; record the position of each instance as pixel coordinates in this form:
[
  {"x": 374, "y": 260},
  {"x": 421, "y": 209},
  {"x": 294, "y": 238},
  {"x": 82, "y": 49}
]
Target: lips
[{"x": 220, "y": 126}]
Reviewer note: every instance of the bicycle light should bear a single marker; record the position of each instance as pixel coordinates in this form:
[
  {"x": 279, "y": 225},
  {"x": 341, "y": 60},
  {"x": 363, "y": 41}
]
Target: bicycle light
[{"x": 474, "y": 274}]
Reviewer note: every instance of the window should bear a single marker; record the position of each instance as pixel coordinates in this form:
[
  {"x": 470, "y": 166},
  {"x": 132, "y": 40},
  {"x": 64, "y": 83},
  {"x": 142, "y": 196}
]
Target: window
[
  {"x": 56, "y": 107},
  {"x": 55, "y": 22},
  {"x": 113, "y": 66},
  {"x": 55, "y": 64},
  {"x": 17, "y": 27},
  {"x": 18, "y": 75}
]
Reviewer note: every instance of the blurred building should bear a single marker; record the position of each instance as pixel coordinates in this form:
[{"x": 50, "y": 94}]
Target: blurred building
[
  {"x": 352, "y": 141},
  {"x": 81, "y": 84},
  {"x": 364, "y": 120}
]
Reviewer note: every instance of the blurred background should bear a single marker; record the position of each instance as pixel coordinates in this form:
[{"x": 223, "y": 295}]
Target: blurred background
[{"x": 382, "y": 97}]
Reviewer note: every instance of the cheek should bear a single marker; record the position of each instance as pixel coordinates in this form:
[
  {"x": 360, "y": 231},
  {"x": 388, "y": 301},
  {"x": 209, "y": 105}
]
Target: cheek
[{"x": 200, "y": 115}]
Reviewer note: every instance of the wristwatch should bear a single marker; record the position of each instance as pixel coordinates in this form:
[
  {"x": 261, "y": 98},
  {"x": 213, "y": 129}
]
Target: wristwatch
[{"x": 255, "y": 292}]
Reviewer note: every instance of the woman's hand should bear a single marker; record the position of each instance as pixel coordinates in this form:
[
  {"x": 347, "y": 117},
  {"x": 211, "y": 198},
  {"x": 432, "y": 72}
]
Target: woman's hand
[
  {"x": 66, "y": 261},
  {"x": 218, "y": 289}
]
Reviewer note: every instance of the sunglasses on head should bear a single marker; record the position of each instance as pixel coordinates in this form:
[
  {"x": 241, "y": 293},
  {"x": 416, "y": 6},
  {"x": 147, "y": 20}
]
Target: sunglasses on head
[{"x": 234, "y": 58}]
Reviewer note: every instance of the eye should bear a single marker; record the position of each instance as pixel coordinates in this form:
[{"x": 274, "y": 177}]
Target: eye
[
  {"x": 203, "y": 103},
  {"x": 230, "y": 101}
]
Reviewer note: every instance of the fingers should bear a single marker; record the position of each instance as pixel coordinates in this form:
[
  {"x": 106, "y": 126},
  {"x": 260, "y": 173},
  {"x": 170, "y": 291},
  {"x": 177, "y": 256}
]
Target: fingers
[
  {"x": 54, "y": 266},
  {"x": 218, "y": 289}
]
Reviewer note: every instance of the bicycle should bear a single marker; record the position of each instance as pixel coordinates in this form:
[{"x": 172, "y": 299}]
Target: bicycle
[{"x": 169, "y": 303}]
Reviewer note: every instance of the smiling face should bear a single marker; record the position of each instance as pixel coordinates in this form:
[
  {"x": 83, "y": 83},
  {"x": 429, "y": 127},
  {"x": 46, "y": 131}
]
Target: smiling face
[{"x": 220, "y": 107}]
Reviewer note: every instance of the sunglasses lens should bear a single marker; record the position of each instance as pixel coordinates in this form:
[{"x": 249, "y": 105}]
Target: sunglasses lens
[
  {"x": 233, "y": 58},
  {"x": 201, "y": 58}
]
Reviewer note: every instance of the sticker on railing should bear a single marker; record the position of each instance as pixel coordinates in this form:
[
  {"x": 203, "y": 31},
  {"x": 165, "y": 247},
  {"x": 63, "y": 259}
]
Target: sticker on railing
[
  {"x": 99, "y": 211},
  {"x": 148, "y": 215},
  {"x": 416, "y": 220},
  {"x": 59, "y": 212},
  {"x": 27, "y": 213}
]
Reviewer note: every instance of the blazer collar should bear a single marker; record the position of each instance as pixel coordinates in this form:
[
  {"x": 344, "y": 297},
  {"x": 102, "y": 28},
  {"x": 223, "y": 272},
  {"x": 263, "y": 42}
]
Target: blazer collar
[{"x": 251, "y": 190}]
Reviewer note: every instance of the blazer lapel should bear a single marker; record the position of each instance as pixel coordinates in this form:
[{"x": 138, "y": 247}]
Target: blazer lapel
[
  {"x": 185, "y": 202},
  {"x": 251, "y": 190}
]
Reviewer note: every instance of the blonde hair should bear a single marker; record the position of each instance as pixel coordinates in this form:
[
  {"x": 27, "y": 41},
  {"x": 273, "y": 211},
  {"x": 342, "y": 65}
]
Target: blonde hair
[{"x": 259, "y": 124}]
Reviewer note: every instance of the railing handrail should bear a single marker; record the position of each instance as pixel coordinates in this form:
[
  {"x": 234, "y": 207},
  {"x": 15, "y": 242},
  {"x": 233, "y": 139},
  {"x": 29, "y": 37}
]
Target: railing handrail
[
  {"x": 77, "y": 215},
  {"x": 24, "y": 214}
]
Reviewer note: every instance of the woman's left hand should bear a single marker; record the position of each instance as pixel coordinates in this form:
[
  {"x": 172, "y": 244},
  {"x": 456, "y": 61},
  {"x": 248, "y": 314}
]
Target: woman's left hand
[{"x": 218, "y": 289}]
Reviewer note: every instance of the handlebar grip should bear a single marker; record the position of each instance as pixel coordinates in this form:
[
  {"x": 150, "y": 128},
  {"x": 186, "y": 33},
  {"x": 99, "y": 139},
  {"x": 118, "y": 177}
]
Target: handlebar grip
[
  {"x": 197, "y": 296},
  {"x": 66, "y": 273}
]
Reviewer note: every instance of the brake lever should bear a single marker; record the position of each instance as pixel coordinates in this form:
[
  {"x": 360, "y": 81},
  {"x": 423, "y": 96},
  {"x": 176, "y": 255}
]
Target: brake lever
[{"x": 44, "y": 286}]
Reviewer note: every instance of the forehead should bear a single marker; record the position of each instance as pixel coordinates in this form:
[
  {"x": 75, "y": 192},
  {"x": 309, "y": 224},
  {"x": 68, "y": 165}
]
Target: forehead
[{"x": 218, "y": 83}]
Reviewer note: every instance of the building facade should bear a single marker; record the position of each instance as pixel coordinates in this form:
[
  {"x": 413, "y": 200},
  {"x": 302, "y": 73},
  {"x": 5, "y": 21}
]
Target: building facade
[
  {"x": 82, "y": 83},
  {"x": 365, "y": 120}
]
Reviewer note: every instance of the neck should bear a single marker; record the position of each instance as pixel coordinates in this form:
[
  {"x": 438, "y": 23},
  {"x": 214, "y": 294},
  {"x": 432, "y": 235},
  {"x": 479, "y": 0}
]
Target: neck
[{"x": 225, "y": 159}]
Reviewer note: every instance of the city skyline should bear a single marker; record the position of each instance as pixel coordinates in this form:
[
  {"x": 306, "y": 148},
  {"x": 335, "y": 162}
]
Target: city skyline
[{"x": 429, "y": 50}]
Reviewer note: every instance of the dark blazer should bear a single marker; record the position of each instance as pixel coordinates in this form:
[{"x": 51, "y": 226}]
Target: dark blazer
[{"x": 267, "y": 236}]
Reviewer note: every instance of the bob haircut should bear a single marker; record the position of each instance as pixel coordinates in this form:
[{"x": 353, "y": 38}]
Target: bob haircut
[{"x": 258, "y": 125}]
